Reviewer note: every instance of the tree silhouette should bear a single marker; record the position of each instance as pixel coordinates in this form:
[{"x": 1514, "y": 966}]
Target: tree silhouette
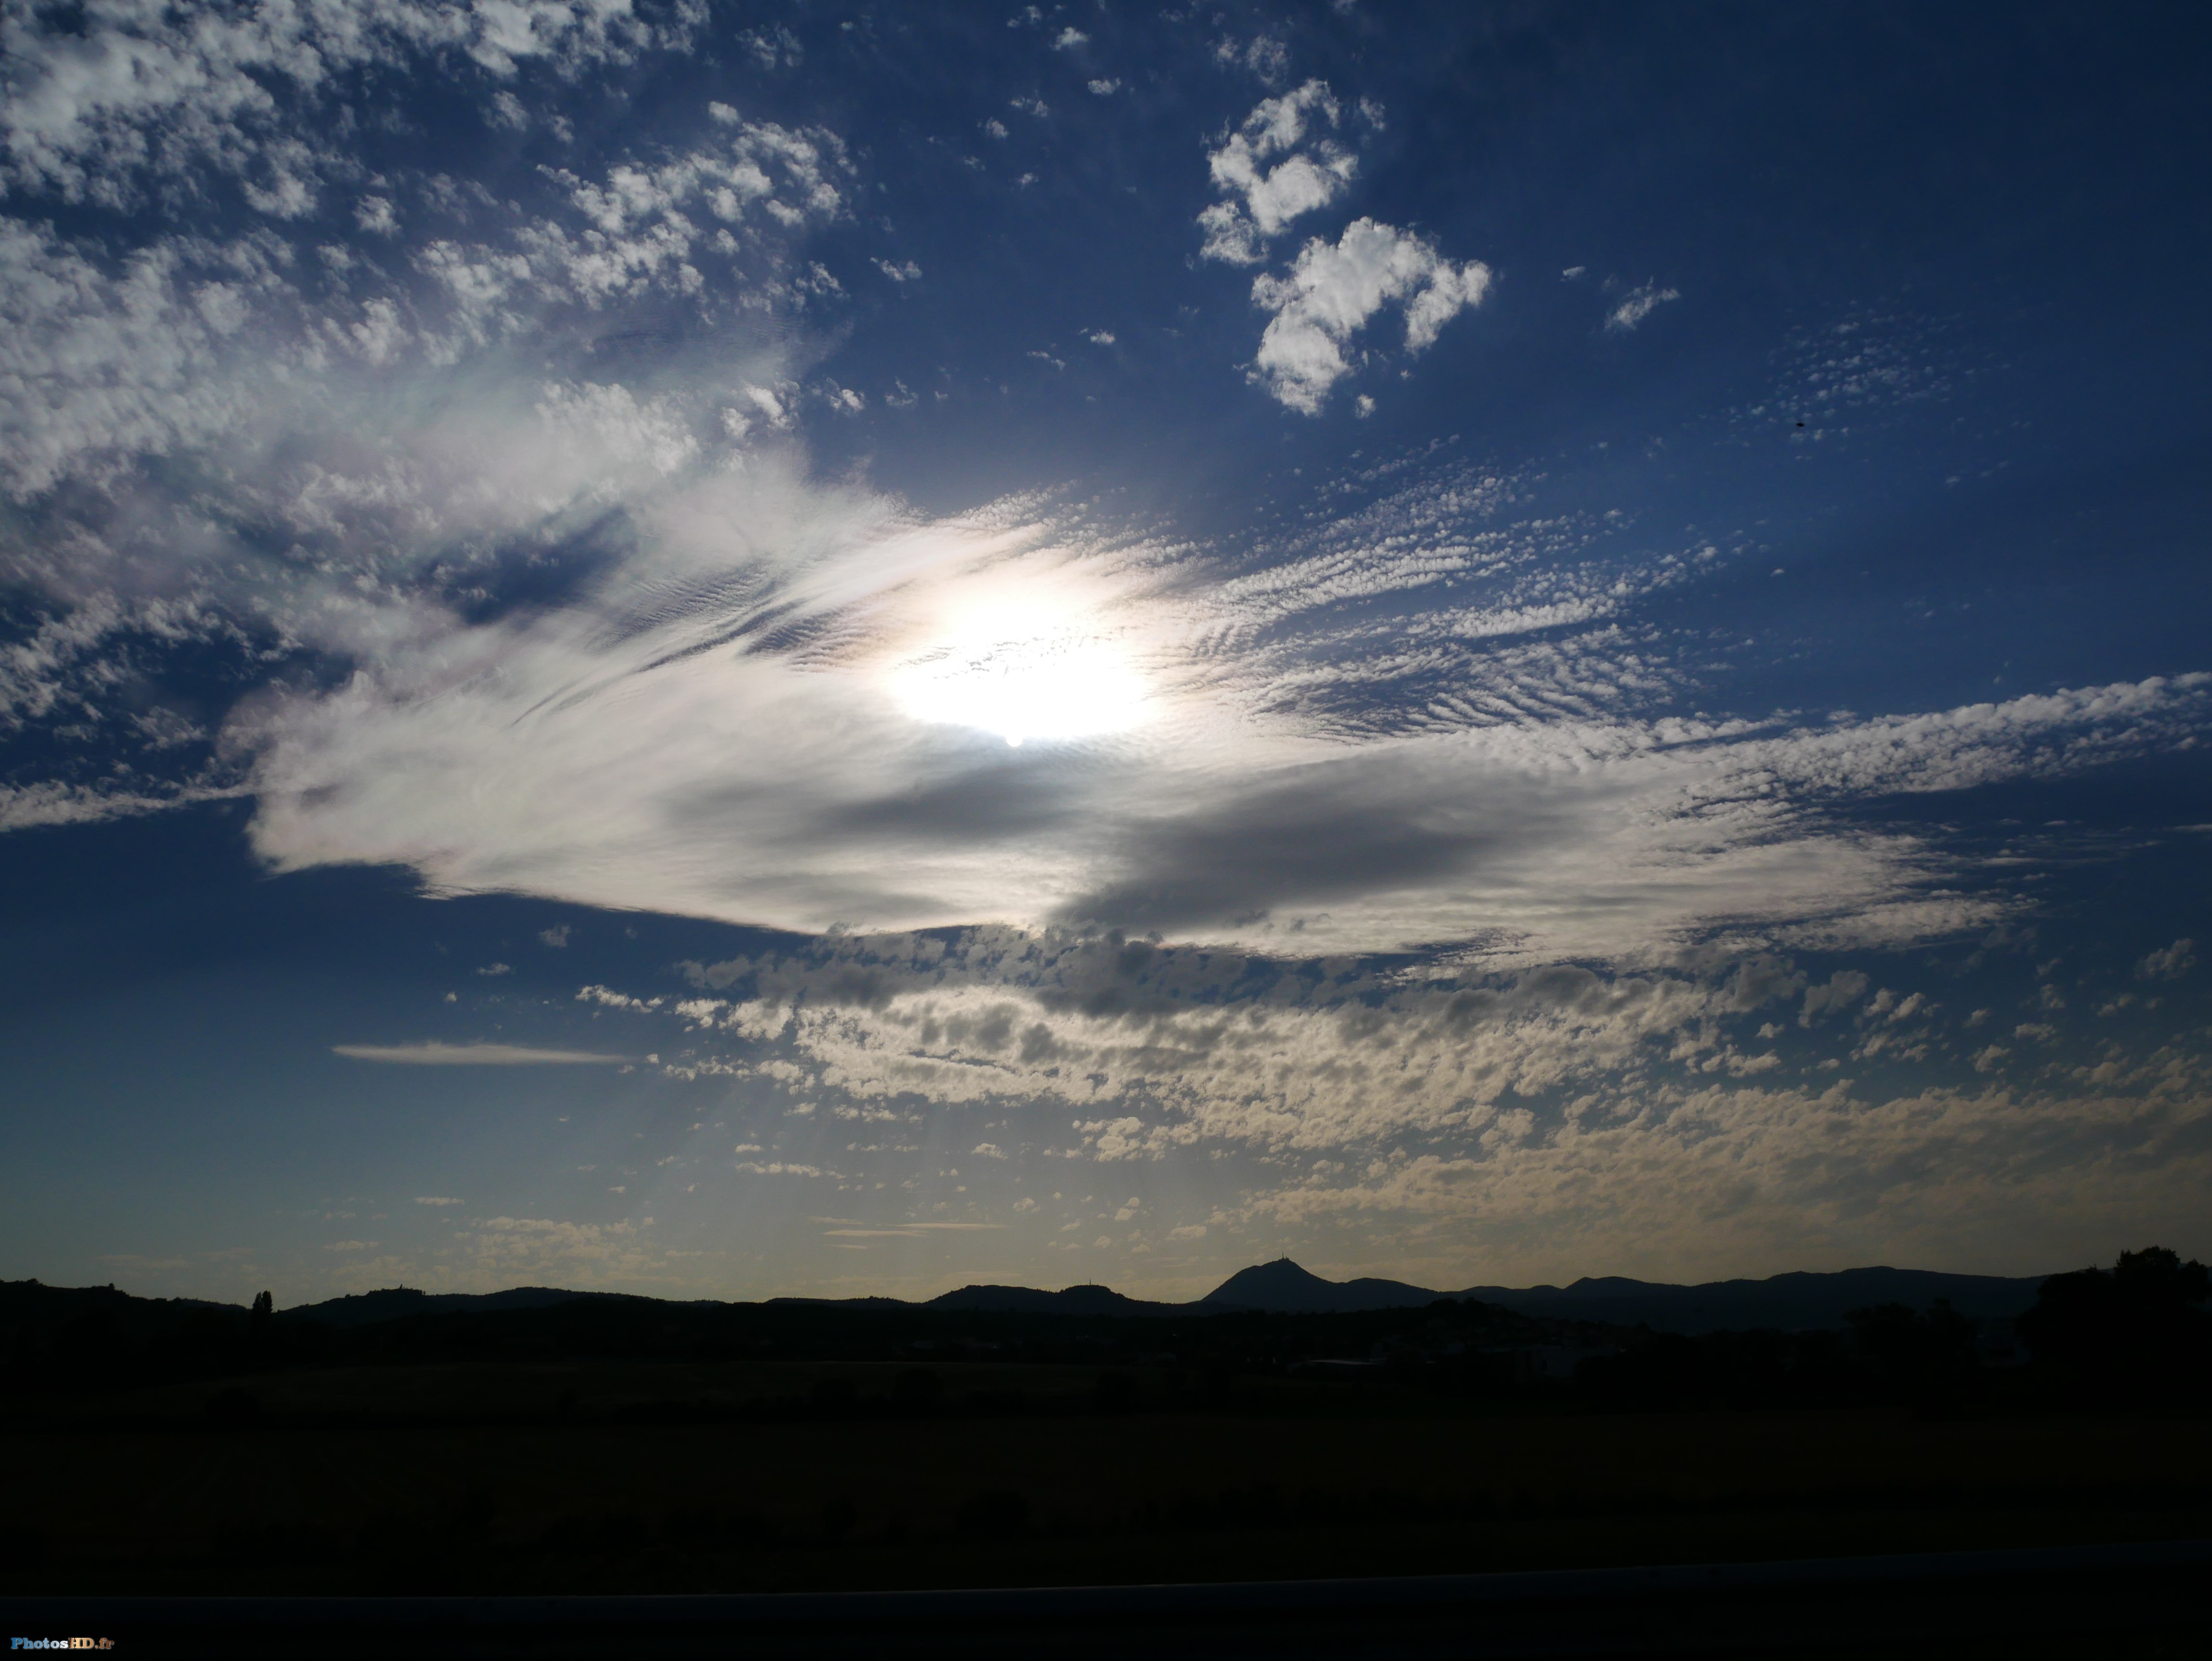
[{"x": 2136, "y": 1332}]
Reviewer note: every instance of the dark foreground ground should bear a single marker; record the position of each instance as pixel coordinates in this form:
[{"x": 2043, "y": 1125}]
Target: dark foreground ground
[
  {"x": 2114, "y": 1602},
  {"x": 690, "y": 1478},
  {"x": 773, "y": 1508}
]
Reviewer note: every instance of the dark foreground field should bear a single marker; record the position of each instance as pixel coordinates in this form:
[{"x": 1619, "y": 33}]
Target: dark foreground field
[{"x": 720, "y": 1477}]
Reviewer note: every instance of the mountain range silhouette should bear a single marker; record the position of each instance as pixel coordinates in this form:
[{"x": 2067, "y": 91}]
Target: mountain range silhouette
[{"x": 1794, "y": 1301}]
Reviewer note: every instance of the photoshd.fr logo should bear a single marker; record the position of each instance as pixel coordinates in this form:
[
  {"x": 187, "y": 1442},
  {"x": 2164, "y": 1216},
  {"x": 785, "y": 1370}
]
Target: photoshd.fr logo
[{"x": 61, "y": 1643}]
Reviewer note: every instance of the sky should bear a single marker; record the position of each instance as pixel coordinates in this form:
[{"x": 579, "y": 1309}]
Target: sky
[{"x": 825, "y": 649}]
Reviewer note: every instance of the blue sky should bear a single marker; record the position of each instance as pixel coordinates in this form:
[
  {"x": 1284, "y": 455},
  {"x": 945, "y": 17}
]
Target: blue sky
[{"x": 739, "y": 650}]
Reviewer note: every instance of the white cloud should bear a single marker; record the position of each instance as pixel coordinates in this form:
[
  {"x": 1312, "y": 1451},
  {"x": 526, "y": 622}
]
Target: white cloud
[
  {"x": 1069, "y": 39},
  {"x": 436, "y": 1199},
  {"x": 1265, "y": 199},
  {"x": 1639, "y": 304},
  {"x": 1331, "y": 292},
  {"x": 127, "y": 96},
  {"x": 1105, "y": 89},
  {"x": 905, "y": 271},
  {"x": 473, "y": 1055}
]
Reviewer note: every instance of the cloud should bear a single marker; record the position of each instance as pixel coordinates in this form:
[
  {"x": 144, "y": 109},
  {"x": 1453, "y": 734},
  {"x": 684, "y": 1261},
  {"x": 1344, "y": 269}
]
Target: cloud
[
  {"x": 436, "y": 1199},
  {"x": 1265, "y": 199},
  {"x": 1264, "y": 56},
  {"x": 2168, "y": 962},
  {"x": 1843, "y": 988},
  {"x": 644, "y": 722},
  {"x": 1767, "y": 1172},
  {"x": 508, "y": 1250},
  {"x": 244, "y": 92},
  {"x": 1639, "y": 304},
  {"x": 656, "y": 722},
  {"x": 1070, "y": 38},
  {"x": 772, "y": 49},
  {"x": 1105, "y": 89},
  {"x": 434, "y": 1054},
  {"x": 1331, "y": 292}
]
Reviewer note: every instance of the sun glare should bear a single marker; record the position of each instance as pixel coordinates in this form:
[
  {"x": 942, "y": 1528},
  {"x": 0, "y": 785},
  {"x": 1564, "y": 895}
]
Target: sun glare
[{"x": 1023, "y": 677}]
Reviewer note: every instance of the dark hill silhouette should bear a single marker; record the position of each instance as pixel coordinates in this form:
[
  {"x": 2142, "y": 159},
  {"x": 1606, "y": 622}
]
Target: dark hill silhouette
[
  {"x": 1283, "y": 1285},
  {"x": 1790, "y": 1302},
  {"x": 1026, "y": 1300},
  {"x": 395, "y": 1303}
]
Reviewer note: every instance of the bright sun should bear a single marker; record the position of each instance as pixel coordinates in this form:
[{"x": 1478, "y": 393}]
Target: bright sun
[{"x": 1023, "y": 675}]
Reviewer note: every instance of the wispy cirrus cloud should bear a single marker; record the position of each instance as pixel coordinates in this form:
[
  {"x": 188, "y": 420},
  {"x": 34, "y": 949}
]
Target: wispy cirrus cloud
[{"x": 434, "y": 1054}]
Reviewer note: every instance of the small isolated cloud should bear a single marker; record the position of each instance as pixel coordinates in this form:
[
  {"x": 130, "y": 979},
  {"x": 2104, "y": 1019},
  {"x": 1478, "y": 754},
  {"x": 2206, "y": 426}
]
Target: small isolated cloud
[
  {"x": 1332, "y": 291},
  {"x": 1035, "y": 107},
  {"x": 374, "y": 214},
  {"x": 1105, "y": 89},
  {"x": 1363, "y": 407},
  {"x": 496, "y": 968},
  {"x": 1070, "y": 38},
  {"x": 1639, "y": 305},
  {"x": 1100, "y": 337},
  {"x": 2168, "y": 962},
  {"x": 1264, "y": 200},
  {"x": 1188, "y": 1231},
  {"x": 436, "y": 1199},
  {"x": 473, "y": 1055},
  {"x": 906, "y": 271},
  {"x": 776, "y": 48},
  {"x": 995, "y": 127},
  {"x": 1267, "y": 58},
  {"x": 556, "y": 938},
  {"x": 990, "y": 1150},
  {"x": 766, "y": 405}
]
